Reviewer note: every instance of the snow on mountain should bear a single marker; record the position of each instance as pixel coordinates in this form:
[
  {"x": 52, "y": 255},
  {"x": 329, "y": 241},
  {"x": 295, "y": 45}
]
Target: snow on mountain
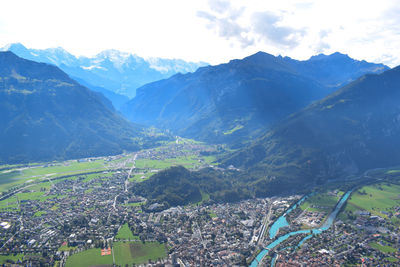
[{"x": 119, "y": 72}]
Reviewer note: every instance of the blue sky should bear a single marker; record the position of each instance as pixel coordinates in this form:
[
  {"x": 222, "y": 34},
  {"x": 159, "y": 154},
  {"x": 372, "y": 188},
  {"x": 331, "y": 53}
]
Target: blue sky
[{"x": 214, "y": 31}]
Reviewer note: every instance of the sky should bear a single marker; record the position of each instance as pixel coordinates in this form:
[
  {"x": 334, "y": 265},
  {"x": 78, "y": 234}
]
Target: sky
[{"x": 214, "y": 31}]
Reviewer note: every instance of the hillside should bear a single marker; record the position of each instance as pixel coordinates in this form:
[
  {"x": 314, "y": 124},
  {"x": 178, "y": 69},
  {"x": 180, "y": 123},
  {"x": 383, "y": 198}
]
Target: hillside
[
  {"x": 47, "y": 116},
  {"x": 179, "y": 186},
  {"x": 354, "y": 129},
  {"x": 236, "y": 102}
]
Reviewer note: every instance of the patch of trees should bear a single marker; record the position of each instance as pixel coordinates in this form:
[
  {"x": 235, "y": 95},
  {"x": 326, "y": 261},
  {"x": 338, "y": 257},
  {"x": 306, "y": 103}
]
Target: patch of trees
[{"x": 179, "y": 186}]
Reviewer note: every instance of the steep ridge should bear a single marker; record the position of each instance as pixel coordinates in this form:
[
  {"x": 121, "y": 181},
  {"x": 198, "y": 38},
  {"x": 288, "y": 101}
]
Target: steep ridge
[
  {"x": 354, "y": 129},
  {"x": 45, "y": 115},
  {"x": 238, "y": 101}
]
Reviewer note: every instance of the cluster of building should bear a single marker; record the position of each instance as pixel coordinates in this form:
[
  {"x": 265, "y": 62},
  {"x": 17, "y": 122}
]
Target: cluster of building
[
  {"x": 181, "y": 148},
  {"x": 214, "y": 235},
  {"x": 88, "y": 213},
  {"x": 347, "y": 244},
  {"x": 82, "y": 213},
  {"x": 360, "y": 238},
  {"x": 72, "y": 211},
  {"x": 311, "y": 219}
]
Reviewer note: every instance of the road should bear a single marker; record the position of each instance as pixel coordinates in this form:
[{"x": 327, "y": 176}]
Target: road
[
  {"x": 130, "y": 172},
  {"x": 115, "y": 202},
  {"x": 126, "y": 181}
]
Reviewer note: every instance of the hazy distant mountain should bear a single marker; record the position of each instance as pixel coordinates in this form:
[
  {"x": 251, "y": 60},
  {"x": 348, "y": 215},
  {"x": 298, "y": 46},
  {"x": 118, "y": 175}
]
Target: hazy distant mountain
[
  {"x": 117, "y": 100},
  {"x": 237, "y": 101},
  {"x": 113, "y": 70},
  {"x": 334, "y": 70},
  {"x": 45, "y": 115},
  {"x": 354, "y": 129}
]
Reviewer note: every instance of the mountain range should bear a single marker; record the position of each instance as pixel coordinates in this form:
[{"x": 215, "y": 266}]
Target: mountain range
[
  {"x": 238, "y": 101},
  {"x": 352, "y": 130},
  {"x": 111, "y": 70},
  {"x": 303, "y": 122},
  {"x": 46, "y": 115}
]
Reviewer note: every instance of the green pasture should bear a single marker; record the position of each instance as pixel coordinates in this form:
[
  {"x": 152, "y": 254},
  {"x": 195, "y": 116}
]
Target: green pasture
[
  {"x": 375, "y": 199},
  {"x": 137, "y": 252},
  {"x": 321, "y": 202},
  {"x": 90, "y": 257},
  {"x": 125, "y": 233}
]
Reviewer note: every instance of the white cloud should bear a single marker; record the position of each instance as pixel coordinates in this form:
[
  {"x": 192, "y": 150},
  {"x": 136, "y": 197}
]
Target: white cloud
[
  {"x": 223, "y": 19},
  {"x": 266, "y": 26},
  {"x": 219, "y": 6},
  {"x": 213, "y": 31}
]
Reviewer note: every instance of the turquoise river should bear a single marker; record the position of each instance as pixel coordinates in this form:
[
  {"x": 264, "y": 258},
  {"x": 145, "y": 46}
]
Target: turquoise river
[{"x": 282, "y": 222}]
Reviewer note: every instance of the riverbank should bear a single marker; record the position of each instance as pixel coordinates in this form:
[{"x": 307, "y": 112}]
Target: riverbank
[{"x": 281, "y": 221}]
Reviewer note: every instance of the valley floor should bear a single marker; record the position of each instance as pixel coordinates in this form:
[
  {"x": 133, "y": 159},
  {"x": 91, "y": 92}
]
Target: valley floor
[{"x": 84, "y": 212}]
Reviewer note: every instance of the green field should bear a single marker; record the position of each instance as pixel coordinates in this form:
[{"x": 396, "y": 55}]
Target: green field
[
  {"x": 384, "y": 249},
  {"x": 66, "y": 248},
  {"x": 392, "y": 259},
  {"x": 9, "y": 204},
  {"x": 322, "y": 202},
  {"x": 90, "y": 257},
  {"x": 35, "y": 193},
  {"x": 124, "y": 253},
  {"x": 39, "y": 213},
  {"x": 64, "y": 168},
  {"x": 14, "y": 177},
  {"x": 137, "y": 252},
  {"x": 4, "y": 259},
  {"x": 125, "y": 233},
  {"x": 10, "y": 179},
  {"x": 375, "y": 199},
  {"x": 90, "y": 190},
  {"x": 40, "y": 187},
  {"x": 188, "y": 162},
  {"x": 212, "y": 214},
  {"x": 138, "y": 177},
  {"x": 135, "y": 204}
]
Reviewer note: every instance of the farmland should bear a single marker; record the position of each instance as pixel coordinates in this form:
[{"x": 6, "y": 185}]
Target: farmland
[
  {"x": 322, "y": 202},
  {"x": 150, "y": 161},
  {"x": 137, "y": 252},
  {"x": 90, "y": 257},
  {"x": 379, "y": 199},
  {"x": 124, "y": 253}
]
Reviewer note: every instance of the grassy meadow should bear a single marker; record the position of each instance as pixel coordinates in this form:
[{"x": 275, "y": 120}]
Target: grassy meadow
[
  {"x": 90, "y": 257},
  {"x": 137, "y": 252}
]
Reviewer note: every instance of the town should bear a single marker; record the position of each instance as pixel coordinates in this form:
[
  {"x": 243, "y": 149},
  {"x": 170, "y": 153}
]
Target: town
[
  {"x": 54, "y": 221},
  {"x": 87, "y": 211}
]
